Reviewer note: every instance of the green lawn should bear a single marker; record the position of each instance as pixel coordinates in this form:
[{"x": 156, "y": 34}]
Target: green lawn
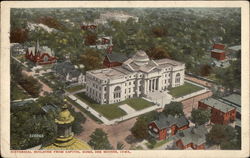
[
  {"x": 137, "y": 103},
  {"x": 183, "y": 90},
  {"x": 75, "y": 88},
  {"x": 112, "y": 111}
]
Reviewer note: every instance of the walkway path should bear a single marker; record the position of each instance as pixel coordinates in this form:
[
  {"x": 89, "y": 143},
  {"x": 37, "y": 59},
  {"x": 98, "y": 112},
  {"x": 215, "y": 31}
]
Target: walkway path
[{"x": 127, "y": 108}]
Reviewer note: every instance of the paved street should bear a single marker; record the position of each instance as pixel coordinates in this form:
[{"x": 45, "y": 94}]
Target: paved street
[{"x": 116, "y": 133}]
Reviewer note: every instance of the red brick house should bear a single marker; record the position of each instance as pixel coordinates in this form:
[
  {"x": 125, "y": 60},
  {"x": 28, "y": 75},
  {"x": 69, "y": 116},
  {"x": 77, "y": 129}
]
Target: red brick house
[
  {"x": 191, "y": 138},
  {"x": 219, "y": 46},
  {"x": 40, "y": 55},
  {"x": 164, "y": 126},
  {"x": 221, "y": 113},
  {"x": 114, "y": 59},
  {"x": 88, "y": 26},
  {"x": 218, "y": 52}
]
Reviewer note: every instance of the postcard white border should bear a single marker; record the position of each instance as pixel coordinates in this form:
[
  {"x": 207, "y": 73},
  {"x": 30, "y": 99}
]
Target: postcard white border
[{"x": 5, "y": 69}]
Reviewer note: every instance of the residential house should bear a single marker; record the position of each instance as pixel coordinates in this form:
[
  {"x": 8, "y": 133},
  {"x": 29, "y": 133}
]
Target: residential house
[
  {"x": 69, "y": 73},
  {"x": 221, "y": 113},
  {"x": 114, "y": 59},
  {"x": 166, "y": 126},
  {"x": 218, "y": 54},
  {"x": 191, "y": 138}
]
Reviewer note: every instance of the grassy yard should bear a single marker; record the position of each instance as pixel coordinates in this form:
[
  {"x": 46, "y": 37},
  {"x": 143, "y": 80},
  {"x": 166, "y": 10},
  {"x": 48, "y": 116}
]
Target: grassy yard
[
  {"x": 137, "y": 103},
  {"x": 75, "y": 88},
  {"x": 183, "y": 90},
  {"x": 112, "y": 111},
  {"x": 84, "y": 110}
]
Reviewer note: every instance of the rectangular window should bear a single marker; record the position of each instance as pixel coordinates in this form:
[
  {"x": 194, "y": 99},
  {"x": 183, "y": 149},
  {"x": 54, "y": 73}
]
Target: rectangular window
[
  {"x": 105, "y": 88},
  {"x": 125, "y": 91},
  {"x": 125, "y": 84},
  {"x": 129, "y": 83},
  {"x": 129, "y": 90}
]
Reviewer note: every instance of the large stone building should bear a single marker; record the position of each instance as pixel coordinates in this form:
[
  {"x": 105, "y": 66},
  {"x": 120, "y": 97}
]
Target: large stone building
[{"x": 136, "y": 77}]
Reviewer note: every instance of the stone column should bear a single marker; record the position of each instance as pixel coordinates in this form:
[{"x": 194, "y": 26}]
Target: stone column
[
  {"x": 153, "y": 84},
  {"x": 157, "y": 84},
  {"x": 149, "y": 88}
]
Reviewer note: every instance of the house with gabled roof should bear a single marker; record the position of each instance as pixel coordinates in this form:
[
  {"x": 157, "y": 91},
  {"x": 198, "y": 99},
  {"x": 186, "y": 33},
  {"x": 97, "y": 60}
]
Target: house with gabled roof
[
  {"x": 114, "y": 59},
  {"x": 166, "y": 126},
  {"x": 191, "y": 138},
  {"x": 69, "y": 73}
]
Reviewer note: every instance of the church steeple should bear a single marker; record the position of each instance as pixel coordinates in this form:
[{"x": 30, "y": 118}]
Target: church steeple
[{"x": 37, "y": 46}]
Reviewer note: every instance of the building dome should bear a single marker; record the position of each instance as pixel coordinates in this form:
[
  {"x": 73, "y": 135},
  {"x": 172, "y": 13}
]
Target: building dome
[
  {"x": 65, "y": 137},
  {"x": 73, "y": 144},
  {"x": 140, "y": 58},
  {"x": 64, "y": 116}
]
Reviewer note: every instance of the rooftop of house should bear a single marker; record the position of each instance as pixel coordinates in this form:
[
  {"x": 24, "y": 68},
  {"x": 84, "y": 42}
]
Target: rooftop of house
[
  {"x": 65, "y": 68},
  {"x": 195, "y": 135},
  {"x": 138, "y": 63},
  {"x": 217, "y": 104},
  {"x": 235, "y": 48},
  {"x": 116, "y": 57},
  {"x": 218, "y": 50},
  {"x": 233, "y": 98},
  {"x": 168, "y": 121}
]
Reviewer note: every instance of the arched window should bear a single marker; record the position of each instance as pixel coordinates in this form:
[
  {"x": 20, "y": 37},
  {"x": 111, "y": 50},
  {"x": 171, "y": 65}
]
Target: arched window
[
  {"x": 177, "y": 78},
  {"x": 117, "y": 92}
]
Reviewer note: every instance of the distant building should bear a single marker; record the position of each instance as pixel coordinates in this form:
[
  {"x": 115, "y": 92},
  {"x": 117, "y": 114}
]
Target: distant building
[
  {"x": 218, "y": 54},
  {"x": 88, "y": 26},
  {"x": 69, "y": 73},
  {"x": 114, "y": 59},
  {"x": 234, "y": 52},
  {"x": 221, "y": 113},
  {"x": 136, "y": 77},
  {"x": 104, "y": 43},
  {"x": 116, "y": 16},
  {"x": 191, "y": 138},
  {"x": 40, "y": 55},
  {"x": 164, "y": 126}
]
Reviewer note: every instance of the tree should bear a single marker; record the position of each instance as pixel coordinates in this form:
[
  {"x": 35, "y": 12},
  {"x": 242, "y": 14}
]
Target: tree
[
  {"x": 91, "y": 59},
  {"x": 205, "y": 70},
  {"x": 99, "y": 140},
  {"x": 140, "y": 128},
  {"x": 220, "y": 134},
  {"x": 199, "y": 116},
  {"x": 90, "y": 39},
  {"x": 158, "y": 53},
  {"x": 174, "y": 108}
]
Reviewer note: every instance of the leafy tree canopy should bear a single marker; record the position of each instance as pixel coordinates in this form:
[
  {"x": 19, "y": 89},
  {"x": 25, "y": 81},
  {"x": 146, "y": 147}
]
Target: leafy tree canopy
[
  {"x": 174, "y": 108},
  {"x": 199, "y": 116},
  {"x": 99, "y": 140}
]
